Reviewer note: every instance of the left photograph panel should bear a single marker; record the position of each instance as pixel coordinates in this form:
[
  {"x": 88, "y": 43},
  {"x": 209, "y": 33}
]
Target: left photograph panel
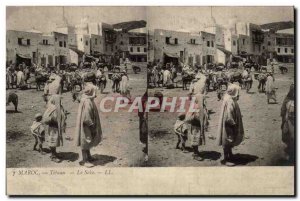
[{"x": 76, "y": 80}]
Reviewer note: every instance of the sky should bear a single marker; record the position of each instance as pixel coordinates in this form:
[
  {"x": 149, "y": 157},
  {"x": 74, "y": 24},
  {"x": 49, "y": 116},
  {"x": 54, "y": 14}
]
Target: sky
[
  {"x": 173, "y": 18},
  {"x": 189, "y": 18},
  {"x": 45, "y": 18}
]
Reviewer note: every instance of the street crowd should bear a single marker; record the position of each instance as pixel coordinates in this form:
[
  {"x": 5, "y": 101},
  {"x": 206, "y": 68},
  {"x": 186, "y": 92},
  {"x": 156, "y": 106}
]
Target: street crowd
[
  {"x": 51, "y": 123},
  {"x": 227, "y": 81}
]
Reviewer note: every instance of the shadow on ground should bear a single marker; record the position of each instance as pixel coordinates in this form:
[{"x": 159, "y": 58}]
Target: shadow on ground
[
  {"x": 68, "y": 156},
  {"x": 210, "y": 155},
  {"x": 103, "y": 159},
  {"x": 243, "y": 159}
]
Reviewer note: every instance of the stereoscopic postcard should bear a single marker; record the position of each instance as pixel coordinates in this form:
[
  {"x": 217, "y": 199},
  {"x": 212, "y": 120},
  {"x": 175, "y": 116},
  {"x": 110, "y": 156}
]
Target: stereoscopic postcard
[{"x": 195, "y": 101}]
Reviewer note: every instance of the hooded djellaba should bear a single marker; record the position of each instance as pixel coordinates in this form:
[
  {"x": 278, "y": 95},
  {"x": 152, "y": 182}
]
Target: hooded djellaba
[
  {"x": 270, "y": 88},
  {"x": 88, "y": 126},
  {"x": 55, "y": 118},
  {"x": 124, "y": 86},
  {"x": 231, "y": 130},
  {"x": 197, "y": 123},
  {"x": 288, "y": 124}
]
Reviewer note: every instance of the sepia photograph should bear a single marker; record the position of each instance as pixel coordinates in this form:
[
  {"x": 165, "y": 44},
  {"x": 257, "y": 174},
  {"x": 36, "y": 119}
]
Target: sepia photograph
[
  {"x": 150, "y": 100},
  {"x": 240, "y": 68},
  {"x": 60, "y": 65}
]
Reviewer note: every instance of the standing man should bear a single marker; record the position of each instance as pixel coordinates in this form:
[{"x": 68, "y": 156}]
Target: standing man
[
  {"x": 143, "y": 126},
  {"x": 124, "y": 86},
  {"x": 231, "y": 130},
  {"x": 20, "y": 77},
  {"x": 53, "y": 86},
  {"x": 167, "y": 81},
  {"x": 288, "y": 123},
  {"x": 199, "y": 86},
  {"x": 270, "y": 88},
  {"x": 197, "y": 126},
  {"x": 88, "y": 126},
  {"x": 55, "y": 118}
]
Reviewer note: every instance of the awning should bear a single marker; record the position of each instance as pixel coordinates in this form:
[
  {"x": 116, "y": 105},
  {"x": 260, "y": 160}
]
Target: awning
[
  {"x": 245, "y": 54},
  {"x": 224, "y": 50},
  {"x": 237, "y": 57},
  {"x": 24, "y": 56},
  {"x": 89, "y": 56},
  {"x": 79, "y": 52},
  {"x": 171, "y": 55}
]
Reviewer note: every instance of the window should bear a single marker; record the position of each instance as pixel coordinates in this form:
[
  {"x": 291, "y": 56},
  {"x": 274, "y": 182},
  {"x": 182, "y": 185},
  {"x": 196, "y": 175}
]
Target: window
[
  {"x": 212, "y": 43},
  {"x": 116, "y": 47},
  {"x": 138, "y": 49},
  {"x": 20, "y": 41},
  {"x": 121, "y": 43},
  {"x": 285, "y": 50},
  {"x": 193, "y": 41},
  {"x": 167, "y": 40},
  {"x": 208, "y": 43},
  {"x": 65, "y": 44},
  {"x": 8, "y": 41},
  {"x": 60, "y": 43},
  {"x": 292, "y": 50},
  {"x": 95, "y": 41},
  {"x": 243, "y": 41},
  {"x": 278, "y": 50},
  {"x": 145, "y": 49},
  {"x": 263, "y": 47},
  {"x": 228, "y": 39},
  {"x": 176, "y": 41},
  {"x": 131, "y": 49},
  {"x": 55, "y": 39},
  {"x": 106, "y": 47},
  {"x": 233, "y": 42},
  {"x": 28, "y": 41},
  {"x": 269, "y": 43},
  {"x": 86, "y": 43},
  {"x": 80, "y": 39}
]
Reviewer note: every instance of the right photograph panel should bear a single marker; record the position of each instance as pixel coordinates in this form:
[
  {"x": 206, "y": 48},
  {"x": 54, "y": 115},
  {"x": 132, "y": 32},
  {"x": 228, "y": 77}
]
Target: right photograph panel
[{"x": 221, "y": 81}]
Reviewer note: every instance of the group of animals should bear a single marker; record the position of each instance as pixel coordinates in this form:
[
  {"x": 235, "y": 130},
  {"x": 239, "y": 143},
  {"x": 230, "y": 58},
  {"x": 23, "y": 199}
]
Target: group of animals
[
  {"x": 71, "y": 77},
  {"x": 71, "y": 80},
  {"x": 217, "y": 79}
]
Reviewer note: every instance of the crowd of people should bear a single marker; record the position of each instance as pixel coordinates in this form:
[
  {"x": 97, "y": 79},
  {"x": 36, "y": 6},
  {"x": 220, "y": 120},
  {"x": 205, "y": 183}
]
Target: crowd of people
[
  {"x": 230, "y": 132},
  {"x": 51, "y": 124},
  {"x": 190, "y": 126}
]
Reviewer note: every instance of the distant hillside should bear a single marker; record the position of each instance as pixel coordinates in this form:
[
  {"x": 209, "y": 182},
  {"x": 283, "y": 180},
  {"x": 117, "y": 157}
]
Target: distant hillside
[
  {"x": 130, "y": 25},
  {"x": 278, "y": 25}
]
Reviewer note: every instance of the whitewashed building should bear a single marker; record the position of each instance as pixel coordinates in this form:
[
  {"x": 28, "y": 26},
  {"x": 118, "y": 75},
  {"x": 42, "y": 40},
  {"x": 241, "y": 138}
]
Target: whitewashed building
[{"x": 22, "y": 46}]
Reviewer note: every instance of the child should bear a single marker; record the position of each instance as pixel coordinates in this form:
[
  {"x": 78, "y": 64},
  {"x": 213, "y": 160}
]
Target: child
[
  {"x": 38, "y": 132},
  {"x": 181, "y": 131}
]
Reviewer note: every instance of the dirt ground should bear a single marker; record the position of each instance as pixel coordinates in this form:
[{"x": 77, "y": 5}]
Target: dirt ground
[
  {"x": 262, "y": 145},
  {"x": 120, "y": 145}
]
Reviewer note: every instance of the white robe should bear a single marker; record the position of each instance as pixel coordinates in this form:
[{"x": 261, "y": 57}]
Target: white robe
[
  {"x": 124, "y": 85},
  {"x": 20, "y": 78},
  {"x": 167, "y": 77}
]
